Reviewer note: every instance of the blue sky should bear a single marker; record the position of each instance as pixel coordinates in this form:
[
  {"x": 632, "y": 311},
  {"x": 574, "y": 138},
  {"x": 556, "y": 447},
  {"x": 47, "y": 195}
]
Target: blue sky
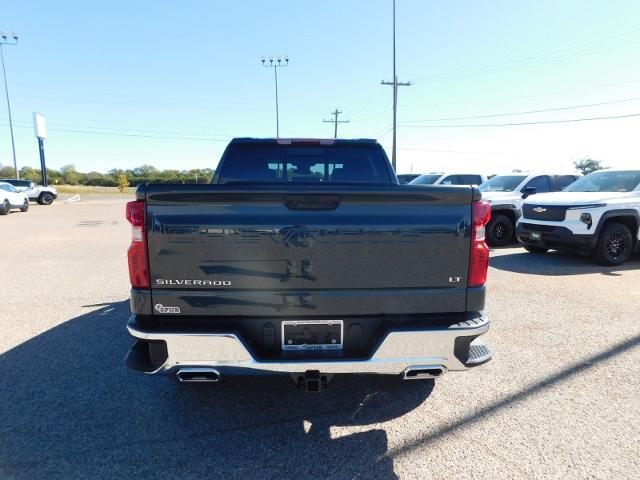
[{"x": 127, "y": 83}]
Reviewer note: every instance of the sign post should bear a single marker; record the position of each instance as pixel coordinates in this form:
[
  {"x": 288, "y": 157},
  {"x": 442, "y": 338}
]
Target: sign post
[{"x": 40, "y": 130}]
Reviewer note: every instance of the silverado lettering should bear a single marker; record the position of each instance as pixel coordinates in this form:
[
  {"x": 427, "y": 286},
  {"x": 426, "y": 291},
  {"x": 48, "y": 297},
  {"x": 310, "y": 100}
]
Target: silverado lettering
[{"x": 203, "y": 283}]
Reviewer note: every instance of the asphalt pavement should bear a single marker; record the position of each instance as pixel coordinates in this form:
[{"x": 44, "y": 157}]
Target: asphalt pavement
[{"x": 560, "y": 399}]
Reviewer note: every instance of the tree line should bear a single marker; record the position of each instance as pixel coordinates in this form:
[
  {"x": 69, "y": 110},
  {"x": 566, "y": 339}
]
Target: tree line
[{"x": 68, "y": 175}]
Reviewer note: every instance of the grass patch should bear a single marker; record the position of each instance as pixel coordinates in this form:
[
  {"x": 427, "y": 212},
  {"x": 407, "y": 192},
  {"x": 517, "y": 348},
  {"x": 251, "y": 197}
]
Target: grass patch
[{"x": 89, "y": 190}]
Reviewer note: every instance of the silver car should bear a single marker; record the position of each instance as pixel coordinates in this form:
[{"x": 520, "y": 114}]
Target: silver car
[{"x": 36, "y": 193}]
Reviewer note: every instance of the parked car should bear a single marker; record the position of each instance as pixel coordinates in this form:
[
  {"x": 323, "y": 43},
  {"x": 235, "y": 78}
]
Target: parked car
[
  {"x": 404, "y": 178},
  {"x": 10, "y": 198},
  {"x": 449, "y": 179},
  {"x": 598, "y": 215},
  {"x": 291, "y": 262},
  {"x": 506, "y": 193},
  {"x": 36, "y": 193}
]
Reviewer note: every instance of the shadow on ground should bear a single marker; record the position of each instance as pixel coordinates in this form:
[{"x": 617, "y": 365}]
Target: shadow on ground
[
  {"x": 71, "y": 409},
  {"x": 555, "y": 263}
]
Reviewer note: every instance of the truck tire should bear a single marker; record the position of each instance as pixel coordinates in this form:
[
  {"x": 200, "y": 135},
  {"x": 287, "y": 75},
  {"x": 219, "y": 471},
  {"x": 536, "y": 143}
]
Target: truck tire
[
  {"x": 45, "y": 198},
  {"x": 614, "y": 245},
  {"x": 25, "y": 207},
  {"x": 499, "y": 231},
  {"x": 532, "y": 249},
  {"x": 6, "y": 206}
]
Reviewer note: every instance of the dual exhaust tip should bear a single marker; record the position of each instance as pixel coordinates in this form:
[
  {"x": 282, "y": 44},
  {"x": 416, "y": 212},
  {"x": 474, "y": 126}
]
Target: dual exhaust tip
[
  {"x": 198, "y": 375},
  {"x": 423, "y": 372}
]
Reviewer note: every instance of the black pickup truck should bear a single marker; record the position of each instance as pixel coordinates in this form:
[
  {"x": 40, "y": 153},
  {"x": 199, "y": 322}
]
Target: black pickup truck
[{"x": 307, "y": 258}]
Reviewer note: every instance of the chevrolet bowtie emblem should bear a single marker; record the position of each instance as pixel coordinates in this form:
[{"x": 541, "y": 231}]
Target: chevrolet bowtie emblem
[{"x": 539, "y": 210}]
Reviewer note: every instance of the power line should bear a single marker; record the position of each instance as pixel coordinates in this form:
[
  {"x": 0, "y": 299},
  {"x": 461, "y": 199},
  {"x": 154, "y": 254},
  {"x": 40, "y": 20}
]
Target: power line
[
  {"x": 114, "y": 134},
  {"x": 600, "y": 45},
  {"x": 557, "y": 109},
  {"x": 335, "y": 121},
  {"x": 541, "y": 122}
]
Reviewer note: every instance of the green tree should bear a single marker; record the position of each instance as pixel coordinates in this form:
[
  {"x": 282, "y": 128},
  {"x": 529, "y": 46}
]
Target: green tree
[
  {"x": 588, "y": 165},
  {"x": 7, "y": 172},
  {"x": 70, "y": 175}
]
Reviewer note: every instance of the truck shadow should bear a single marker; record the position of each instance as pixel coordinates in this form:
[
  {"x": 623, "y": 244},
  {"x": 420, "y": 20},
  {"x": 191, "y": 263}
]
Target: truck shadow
[
  {"x": 71, "y": 409},
  {"x": 555, "y": 263}
]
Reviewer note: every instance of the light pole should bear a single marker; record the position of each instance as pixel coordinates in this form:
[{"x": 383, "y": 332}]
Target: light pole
[
  {"x": 5, "y": 40},
  {"x": 278, "y": 64},
  {"x": 395, "y": 85}
]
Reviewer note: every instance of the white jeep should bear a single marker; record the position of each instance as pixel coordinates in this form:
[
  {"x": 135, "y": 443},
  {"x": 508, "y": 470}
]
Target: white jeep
[
  {"x": 598, "y": 215},
  {"x": 36, "y": 193}
]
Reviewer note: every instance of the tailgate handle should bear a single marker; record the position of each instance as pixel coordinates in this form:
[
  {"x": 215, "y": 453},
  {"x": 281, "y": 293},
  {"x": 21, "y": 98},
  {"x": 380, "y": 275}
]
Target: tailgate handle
[{"x": 312, "y": 202}]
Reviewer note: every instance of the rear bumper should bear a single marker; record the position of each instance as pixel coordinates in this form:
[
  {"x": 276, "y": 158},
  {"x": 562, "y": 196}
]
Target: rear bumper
[
  {"x": 456, "y": 348},
  {"x": 557, "y": 238}
]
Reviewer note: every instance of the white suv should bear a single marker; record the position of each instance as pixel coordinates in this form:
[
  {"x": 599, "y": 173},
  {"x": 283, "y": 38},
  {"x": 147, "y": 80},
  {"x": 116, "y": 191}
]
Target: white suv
[
  {"x": 506, "y": 193},
  {"x": 598, "y": 214},
  {"x": 440, "y": 178},
  {"x": 10, "y": 198},
  {"x": 37, "y": 193}
]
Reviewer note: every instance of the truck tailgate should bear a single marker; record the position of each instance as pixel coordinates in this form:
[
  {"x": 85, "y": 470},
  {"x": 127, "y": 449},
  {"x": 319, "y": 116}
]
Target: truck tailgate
[{"x": 224, "y": 250}]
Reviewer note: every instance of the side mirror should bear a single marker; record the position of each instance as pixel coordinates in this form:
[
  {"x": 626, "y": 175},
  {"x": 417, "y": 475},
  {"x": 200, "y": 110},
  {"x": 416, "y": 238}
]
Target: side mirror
[
  {"x": 527, "y": 191},
  {"x": 32, "y": 185}
]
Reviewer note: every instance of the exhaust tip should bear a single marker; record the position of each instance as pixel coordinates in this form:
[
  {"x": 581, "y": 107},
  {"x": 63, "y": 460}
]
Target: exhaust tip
[
  {"x": 423, "y": 372},
  {"x": 198, "y": 375}
]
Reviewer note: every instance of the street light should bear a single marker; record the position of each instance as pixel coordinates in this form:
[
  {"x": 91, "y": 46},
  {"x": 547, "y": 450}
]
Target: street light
[
  {"x": 275, "y": 65},
  {"x": 395, "y": 83},
  {"x": 9, "y": 40}
]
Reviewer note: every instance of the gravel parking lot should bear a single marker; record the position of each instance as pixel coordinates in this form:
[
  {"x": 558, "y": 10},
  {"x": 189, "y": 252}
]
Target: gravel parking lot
[{"x": 560, "y": 398}]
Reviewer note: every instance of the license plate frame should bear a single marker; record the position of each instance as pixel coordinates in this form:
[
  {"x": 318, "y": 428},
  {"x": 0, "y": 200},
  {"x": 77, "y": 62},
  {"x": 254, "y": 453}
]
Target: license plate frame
[{"x": 315, "y": 327}]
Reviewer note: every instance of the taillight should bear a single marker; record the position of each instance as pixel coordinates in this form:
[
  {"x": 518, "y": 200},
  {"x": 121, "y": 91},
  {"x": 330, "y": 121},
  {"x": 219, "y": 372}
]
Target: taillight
[
  {"x": 479, "y": 262},
  {"x": 137, "y": 253}
]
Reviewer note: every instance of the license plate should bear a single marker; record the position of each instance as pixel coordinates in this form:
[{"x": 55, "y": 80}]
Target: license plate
[
  {"x": 536, "y": 236},
  {"x": 305, "y": 335}
]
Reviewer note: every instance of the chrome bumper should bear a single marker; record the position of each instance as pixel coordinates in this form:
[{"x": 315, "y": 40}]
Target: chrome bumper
[{"x": 397, "y": 352}]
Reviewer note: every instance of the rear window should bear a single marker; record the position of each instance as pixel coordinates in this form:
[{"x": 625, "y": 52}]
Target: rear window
[{"x": 304, "y": 164}]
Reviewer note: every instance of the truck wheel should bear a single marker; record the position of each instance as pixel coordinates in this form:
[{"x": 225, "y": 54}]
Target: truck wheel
[
  {"x": 532, "y": 249},
  {"x": 614, "y": 245},
  {"x": 45, "y": 199},
  {"x": 499, "y": 231},
  {"x": 6, "y": 206},
  {"x": 25, "y": 207}
]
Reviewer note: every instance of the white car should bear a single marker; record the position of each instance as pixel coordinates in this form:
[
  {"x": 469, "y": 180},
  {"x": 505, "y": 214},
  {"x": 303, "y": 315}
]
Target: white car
[
  {"x": 10, "y": 198},
  {"x": 506, "y": 193},
  {"x": 37, "y": 193},
  {"x": 440, "y": 178},
  {"x": 598, "y": 215}
]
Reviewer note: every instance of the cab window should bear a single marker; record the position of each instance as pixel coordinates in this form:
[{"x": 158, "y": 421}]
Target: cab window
[{"x": 541, "y": 184}]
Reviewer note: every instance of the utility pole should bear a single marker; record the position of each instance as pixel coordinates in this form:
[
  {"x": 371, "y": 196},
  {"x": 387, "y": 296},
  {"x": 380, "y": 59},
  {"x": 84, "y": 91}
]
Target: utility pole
[
  {"x": 275, "y": 66},
  {"x": 4, "y": 40},
  {"x": 395, "y": 85},
  {"x": 335, "y": 121}
]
